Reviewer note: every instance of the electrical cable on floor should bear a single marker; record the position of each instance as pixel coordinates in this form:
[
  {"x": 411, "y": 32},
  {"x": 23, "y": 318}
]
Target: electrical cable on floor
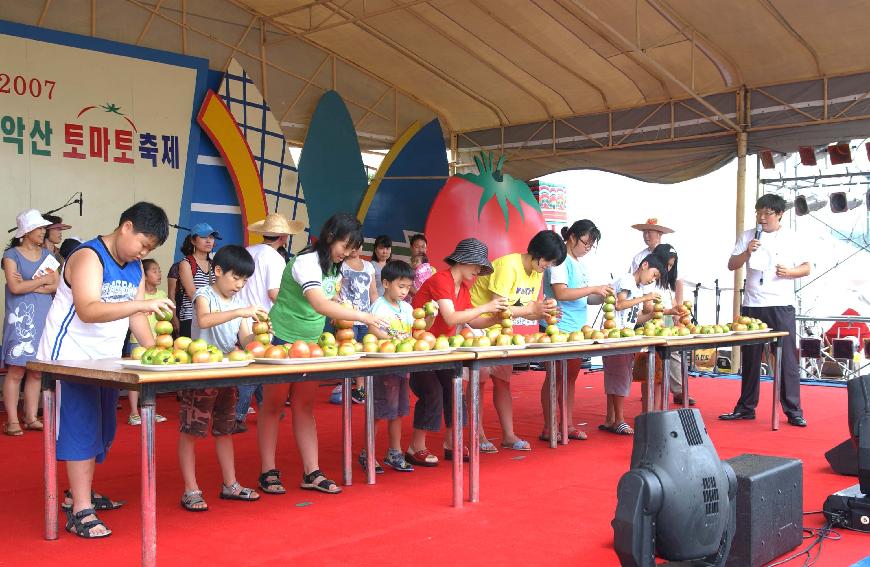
[{"x": 818, "y": 536}]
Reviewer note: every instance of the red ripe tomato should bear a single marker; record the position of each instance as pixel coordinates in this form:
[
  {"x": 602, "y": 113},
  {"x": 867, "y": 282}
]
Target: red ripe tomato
[
  {"x": 491, "y": 206},
  {"x": 428, "y": 337},
  {"x": 316, "y": 351},
  {"x": 275, "y": 352},
  {"x": 256, "y": 348},
  {"x": 300, "y": 349}
]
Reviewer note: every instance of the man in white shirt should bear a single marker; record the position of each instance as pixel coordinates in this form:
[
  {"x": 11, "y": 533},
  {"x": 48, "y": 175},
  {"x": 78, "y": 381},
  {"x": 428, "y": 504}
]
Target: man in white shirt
[
  {"x": 774, "y": 257},
  {"x": 652, "y": 236},
  {"x": 262, "y": 287}
]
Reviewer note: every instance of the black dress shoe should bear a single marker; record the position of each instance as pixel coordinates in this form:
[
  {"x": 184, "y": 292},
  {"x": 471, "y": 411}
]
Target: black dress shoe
[
  {"x": 737, "y": 415},
  {"x": 797, "y": 421},
  {"x": 678, "y": 400}
]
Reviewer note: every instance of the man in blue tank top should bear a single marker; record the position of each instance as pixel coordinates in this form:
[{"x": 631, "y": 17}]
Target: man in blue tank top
[{"x": 100, "y": 295}]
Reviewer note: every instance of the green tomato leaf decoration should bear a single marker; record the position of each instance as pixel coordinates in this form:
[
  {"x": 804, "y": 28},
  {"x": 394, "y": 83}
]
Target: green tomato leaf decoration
[{"x": 506, "y": 190}]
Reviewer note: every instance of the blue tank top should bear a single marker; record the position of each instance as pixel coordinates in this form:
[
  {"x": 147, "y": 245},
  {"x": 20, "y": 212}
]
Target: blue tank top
[{"x": 66, "y": 337}]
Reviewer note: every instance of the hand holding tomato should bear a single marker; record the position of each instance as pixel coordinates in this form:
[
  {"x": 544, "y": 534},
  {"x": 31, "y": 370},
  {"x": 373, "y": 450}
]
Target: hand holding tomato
[
  {"x": 495, "y": 305},
  {"x": 254, "y": 312},
  {"x": 158, "y": 305},
  {"x": 603, "y": 290}
]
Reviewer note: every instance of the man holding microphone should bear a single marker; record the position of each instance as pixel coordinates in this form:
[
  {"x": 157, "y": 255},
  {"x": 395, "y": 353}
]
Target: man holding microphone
[{"x": 774, "y": 256}]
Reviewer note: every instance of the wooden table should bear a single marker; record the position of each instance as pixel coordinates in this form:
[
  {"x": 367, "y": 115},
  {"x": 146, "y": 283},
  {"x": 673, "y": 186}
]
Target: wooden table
[
  {"x": 110, "y": 374},
  {"x": 684, "y": 345},
  {"x": 550, "y": 356}
]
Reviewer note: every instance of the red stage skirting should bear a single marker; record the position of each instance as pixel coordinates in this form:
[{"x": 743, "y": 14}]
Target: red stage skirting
[{"x": 544, "y": 506}]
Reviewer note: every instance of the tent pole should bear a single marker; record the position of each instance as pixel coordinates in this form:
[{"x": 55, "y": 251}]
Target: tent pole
[{"x": 739, "y": 227}]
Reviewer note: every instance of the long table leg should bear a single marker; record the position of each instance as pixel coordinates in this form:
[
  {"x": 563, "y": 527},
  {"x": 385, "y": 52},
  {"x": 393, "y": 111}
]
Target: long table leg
[
  {"x": 149, "y": 482},
  {"x": 370, "y": 430},
  {"x": 563, "y": 407},
  {"x": 50, "y": 459},
  {"x": 777, "y": 386},
  {"x": 684, "y": 368},
  {"x": 666, "y": 379},
  {"x": 458, "y": 450},
  {"x": 347, "y": 457},
  {"x": 551, "y": 379},
  {"x": 473, "y": 432},
  {"x": 651, "y": 379}
]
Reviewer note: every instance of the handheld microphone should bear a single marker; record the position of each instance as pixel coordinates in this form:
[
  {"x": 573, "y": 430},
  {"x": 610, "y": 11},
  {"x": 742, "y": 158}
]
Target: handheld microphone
[{"x": 757, "y": 237}]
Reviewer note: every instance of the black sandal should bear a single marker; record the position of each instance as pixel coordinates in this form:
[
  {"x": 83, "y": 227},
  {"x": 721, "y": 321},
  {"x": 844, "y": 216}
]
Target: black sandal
[
  {"x": 98, "y": 502},
  {"x": 75, "y": 525},
  {"x": 324, "y": 485},
  {"x": 269, "y": 480}
]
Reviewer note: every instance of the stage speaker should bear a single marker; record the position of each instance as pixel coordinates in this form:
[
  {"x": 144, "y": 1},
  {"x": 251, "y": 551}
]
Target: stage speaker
[
  {"x": 769, "y": 508},
  {"x": 811, "y": 347},
  {"x": 844, "y": 349},
  {"x": 844, "y": 458}
]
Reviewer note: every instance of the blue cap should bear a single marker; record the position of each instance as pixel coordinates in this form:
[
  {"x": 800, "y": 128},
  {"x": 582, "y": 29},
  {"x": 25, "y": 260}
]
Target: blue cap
[{"x": 204, "y": 229}]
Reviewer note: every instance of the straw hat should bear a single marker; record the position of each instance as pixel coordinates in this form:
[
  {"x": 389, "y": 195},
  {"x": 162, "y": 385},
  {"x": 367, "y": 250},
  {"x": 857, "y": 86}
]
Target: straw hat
[
  {"x": 276, "y": 224},
  {"x": 471, "y": 251},
  {"x": 653, "y": 224},
  {"x": 29, "y": 220}
]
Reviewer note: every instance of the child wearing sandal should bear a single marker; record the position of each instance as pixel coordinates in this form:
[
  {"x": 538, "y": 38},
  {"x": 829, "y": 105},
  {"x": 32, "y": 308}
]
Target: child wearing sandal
[
  {"x": 219, "y": 319},
  {"x": 308, "y": 285},
  {"x": 632, "y": 308},
  {"x": 99, "y": 296},
  {"x": 391, "y": 396},
  {"x": 450, "y": 289}
]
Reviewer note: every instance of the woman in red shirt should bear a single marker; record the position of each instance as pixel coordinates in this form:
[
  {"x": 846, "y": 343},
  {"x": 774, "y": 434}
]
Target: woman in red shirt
[{"x": 450, "y": 289}]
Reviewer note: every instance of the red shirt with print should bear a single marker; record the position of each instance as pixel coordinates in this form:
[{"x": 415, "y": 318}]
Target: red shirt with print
[{"x": 441, "y": 286}]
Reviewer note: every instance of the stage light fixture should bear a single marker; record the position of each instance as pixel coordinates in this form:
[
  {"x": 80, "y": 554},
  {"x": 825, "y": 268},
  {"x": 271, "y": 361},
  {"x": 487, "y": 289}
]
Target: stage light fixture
[
  {"x": 808, "y": 155},
  {"x": 842, "y": 201},
  {"x": 840, "y": 153},
  {"x": 806, "y": 204}
]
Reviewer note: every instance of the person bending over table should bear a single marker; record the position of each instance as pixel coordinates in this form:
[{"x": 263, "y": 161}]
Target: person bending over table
[
  {"x": 100, "y": 295},
  {"x": 516, "y": 278},
  {"x": 308, "y": 285},
  {"x": 450, "y": 289},
  {"x": 774, "y": 259}
]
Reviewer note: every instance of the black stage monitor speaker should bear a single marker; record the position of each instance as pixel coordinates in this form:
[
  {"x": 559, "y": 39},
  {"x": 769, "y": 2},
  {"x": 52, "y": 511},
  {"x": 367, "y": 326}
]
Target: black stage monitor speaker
[{"x": 769, "y": 508}]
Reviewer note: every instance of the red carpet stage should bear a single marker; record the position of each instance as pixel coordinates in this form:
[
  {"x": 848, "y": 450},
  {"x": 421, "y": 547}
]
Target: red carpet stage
[{"x": 544, "y": 506}]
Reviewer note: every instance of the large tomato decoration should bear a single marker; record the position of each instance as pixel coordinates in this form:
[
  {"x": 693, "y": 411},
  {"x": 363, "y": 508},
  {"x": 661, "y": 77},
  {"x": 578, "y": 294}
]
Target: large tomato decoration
[{"x": 490, "y": 206}]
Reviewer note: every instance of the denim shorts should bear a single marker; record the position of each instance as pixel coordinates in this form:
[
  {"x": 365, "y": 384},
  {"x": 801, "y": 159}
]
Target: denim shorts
[{"x": 391, "y": 396}]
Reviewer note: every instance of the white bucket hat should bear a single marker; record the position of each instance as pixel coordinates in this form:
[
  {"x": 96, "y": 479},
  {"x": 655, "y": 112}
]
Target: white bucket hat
[{"x": 29, "y": 220}]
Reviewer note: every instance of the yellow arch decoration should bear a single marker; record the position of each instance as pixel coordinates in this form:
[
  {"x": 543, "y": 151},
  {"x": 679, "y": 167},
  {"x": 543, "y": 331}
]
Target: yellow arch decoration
[
  {"x": 382, "y": 170},
  {"x": 217, "y": 121}
]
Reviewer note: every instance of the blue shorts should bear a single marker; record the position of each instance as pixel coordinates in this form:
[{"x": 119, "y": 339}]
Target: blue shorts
[{"x": 87, "y": 422}]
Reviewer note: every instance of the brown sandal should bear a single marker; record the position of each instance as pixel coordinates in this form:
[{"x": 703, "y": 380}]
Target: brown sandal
[
  {"x": 13, "y": 431},
  {"x": 35, "y": 425}
]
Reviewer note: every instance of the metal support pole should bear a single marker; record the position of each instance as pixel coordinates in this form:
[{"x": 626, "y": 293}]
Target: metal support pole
[
  {"x": 458, "y": 451},
  {"x": 666, "y": 376},
  {"x": 684, "y": 369},
  {"x": 149, "y": 481},
  {"x": 777, "y": 385},
  {"x": 370, "y": 430},
  {"x": 651, "y": 378},
  {"x": 551, "y": 379},
  {"x": 739, "y": 227},
  {"x": 347, "y": 457},
  {"x": 50, "y": 458},
  {"x": 474, "y": 433},
  {"x": 563, "y": 408}
]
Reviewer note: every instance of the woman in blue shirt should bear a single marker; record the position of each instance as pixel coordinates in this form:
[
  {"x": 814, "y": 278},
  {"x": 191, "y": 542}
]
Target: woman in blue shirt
[{"x": 568, "y": 283}]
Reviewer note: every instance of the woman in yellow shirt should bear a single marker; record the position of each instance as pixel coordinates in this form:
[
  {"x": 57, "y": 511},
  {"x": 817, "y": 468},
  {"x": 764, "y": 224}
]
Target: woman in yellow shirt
[{"x": 517, "y": 278}]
